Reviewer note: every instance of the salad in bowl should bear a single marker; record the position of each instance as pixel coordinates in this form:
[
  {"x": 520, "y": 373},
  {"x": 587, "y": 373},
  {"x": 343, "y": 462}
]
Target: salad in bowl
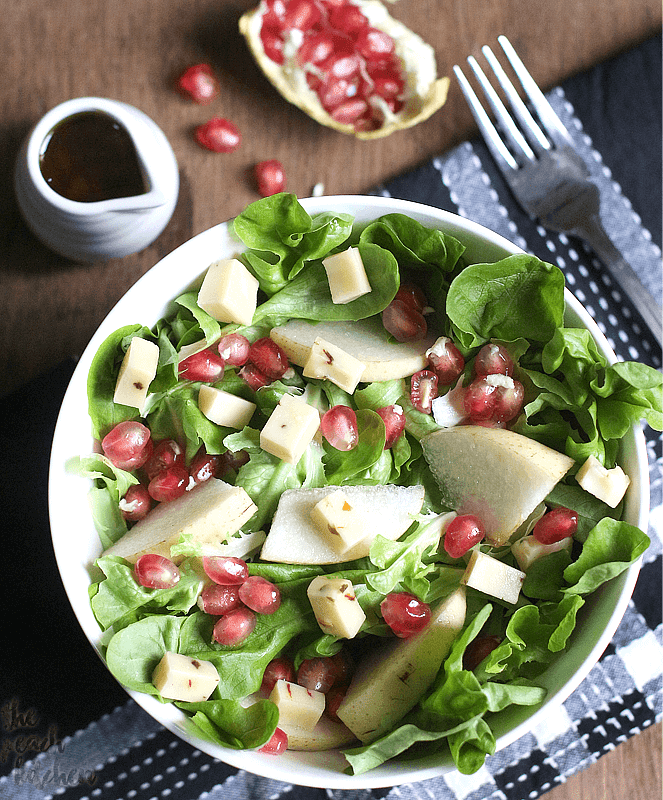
[{"x": 364, "y": 493}]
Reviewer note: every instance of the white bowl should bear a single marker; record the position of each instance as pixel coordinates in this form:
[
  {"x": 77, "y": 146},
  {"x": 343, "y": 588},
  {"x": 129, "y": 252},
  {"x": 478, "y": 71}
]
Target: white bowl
[{"x": 76, "y": 543}]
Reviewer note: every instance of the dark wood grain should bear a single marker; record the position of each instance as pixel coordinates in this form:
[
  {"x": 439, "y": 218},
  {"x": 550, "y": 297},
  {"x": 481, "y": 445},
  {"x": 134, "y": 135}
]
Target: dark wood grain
[{"x": 52, "y": 50}]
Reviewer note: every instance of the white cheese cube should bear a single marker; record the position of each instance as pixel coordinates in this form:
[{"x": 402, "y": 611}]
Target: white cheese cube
[
  {"x": 328, "y": 361},
  {"x": 224, "y": 408},
  {"x": 289, "y": 429},
  {"x": 139, "y": 366},
  {"x": 527, "y": 550},
  {"x": 335, "y": 606},
  {"x": 346, "y": 275},
  {"x": 179, "y": 677},
  {"x": 343, "y": 525},
  {"x": 229, "y": 292},
  {"x": 297, "y": 705},
  {"x": 208, "y": 514},
  {"x": 490, "y": 576},
  {"x": 609, "y": 485}
]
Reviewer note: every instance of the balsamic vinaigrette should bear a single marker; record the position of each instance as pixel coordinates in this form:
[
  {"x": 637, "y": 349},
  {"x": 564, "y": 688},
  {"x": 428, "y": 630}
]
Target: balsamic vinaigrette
[{"x": 90, "y": 157}]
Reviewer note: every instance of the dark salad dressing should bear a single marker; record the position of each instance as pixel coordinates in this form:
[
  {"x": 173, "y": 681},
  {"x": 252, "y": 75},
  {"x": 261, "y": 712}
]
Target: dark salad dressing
[{"x": 90, "y": 157}]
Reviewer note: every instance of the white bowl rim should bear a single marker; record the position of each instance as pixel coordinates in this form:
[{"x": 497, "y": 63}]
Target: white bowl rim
[{"x": 307, "y": 769}]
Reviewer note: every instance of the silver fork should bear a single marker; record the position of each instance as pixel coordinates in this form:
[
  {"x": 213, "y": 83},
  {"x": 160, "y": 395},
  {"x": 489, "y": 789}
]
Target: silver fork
[{"x": 546, "y": 174}]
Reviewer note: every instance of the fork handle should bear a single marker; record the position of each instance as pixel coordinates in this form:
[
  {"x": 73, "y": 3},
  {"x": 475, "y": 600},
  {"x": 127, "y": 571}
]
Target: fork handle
[{"x": 593, "y": 232}]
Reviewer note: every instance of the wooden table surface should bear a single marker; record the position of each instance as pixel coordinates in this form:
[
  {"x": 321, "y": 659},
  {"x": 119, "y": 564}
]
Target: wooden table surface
[{"x": 53, "y": 50}]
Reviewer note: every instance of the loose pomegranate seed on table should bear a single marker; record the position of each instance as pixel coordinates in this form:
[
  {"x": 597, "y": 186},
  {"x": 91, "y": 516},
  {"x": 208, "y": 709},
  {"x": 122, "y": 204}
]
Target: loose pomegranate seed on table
[
  {"x": 462, "y": 533},
  {"x": 169, "y": 484},
  {"x": 405, "y": 613},
  {"x": 555, "y": 525},
  {"x": 128, "y": 445},
  {"x": 423, "y": 390},
  {"x": 260, "y": 595},
  {"x": 277, "y": 744},
  {"x": 206, "y": 366},
  {"x": 156, "y": 572},
  {"x": 270, "y": 177},
  {"x": 394, "y": 422},
  {"x": 219, "y": 600},
  {"x": 234, "y": 627},
  {"x": 234, "y": 349},
  {"x": 199, "y": 83},
  {"x": 218, "y": 135},
  {"x": 226, "y": 570},
  {"x": 269, "y": 358},
  {"x": 165, "y": 454},
  {"x": 278, "y": 669},
  {"x": 339, "y": 427},
  {"x": 136, "y": 503}
]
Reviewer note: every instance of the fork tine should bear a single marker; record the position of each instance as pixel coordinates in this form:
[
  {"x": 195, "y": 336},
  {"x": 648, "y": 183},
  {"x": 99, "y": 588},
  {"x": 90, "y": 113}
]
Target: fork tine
[
  {"x": 549, "y": 119},
  {"x": 526, "y": 120},
  {"x": 499, "y": 151}
]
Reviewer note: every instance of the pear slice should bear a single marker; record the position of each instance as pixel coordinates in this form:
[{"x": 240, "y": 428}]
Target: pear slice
[
  {"x": 295, "y": 539},
  {"x": 327, "y": 735},
  {"x": 365, "y": 340},
  {"x": 496, "y": 474},
  {"x": 391, "y": 680}
]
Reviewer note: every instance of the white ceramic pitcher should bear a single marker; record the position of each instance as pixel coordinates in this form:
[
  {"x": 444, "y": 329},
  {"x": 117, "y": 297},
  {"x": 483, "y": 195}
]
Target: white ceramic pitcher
[{"x": 94, "y": 231}]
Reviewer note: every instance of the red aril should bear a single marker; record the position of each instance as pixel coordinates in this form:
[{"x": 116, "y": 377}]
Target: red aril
[
  {"x": 218, "y": 135},
  {"x": 252, "y": 376},
  {"x": 375, "y": 45},
  {"x": 218, "y": 600},
  {"x": 260, "y": 595},
  {"x": 447, "y": 361},
  {"x": 315, "y": 48},
  {"x": 508, "y": 398},
  {"x": 405, "y": 613},
  {"x": 301, "y": 14},
  {"x": 404, "y": 322},
  {"x": 347, "y": 18},
  {"x": 199, "y": 83},
  {"x": 479, "y": 400},
  {"x": 128, "y": 445},
  {"x": 335, "y": 91},
  {"x": 234, "y": 349},
  {"x": 333, "y": 700},
  {"x": 156, "y": 572},
  {"x": 231, "y": 461},
  {"x": 206, "y": 366},
  {"x": 317, "y": 674},
  {"x": 558, "y": 524},
  {"x": 478, "y": 649},
  {"x": 349, "y": 111},
  {"x": 493, "y": 359},
  {"x": 462, "y": 533},
  {"x": 272, "y": 44},
  {"x": 274, "y": 13},
  {"x": 412, "y": 295},
  {"x": 277, "y": 744},
  {"x": 204, "y": 466},
  {"x": 423, "y": 390},
  {"x": 226, "y": 570},
  {"x": 278, "y": 669},
  {"x": 269, "y": 358},
  {"x": 136, "y": 503},
  {"x": 339, "y": 427},
  {"x": 166, "y": 453},
  {"x": 270, "y": 177},
  {"x": 344, "y": 666},
  {"x": 169, "y": 484},
  {"x": 388, "y": 87},
  {"x": 342, "y": 65},
  {"x": 394, "y": 423},
  {"x": 234, "y": 627}
]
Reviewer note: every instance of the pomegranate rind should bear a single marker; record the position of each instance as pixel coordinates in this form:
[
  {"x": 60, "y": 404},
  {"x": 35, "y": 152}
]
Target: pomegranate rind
[{"x": 426, "y": 93}]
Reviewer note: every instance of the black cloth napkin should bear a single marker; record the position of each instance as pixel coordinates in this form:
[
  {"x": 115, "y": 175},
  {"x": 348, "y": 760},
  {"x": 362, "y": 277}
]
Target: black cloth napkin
[{"x": 57, "y": 697}]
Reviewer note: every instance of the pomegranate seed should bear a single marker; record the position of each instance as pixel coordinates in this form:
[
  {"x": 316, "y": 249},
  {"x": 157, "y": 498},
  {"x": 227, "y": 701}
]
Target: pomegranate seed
[
  {"x": 348, "y": 18},
  {"x": 342, "y": 65},
  {"x": 462, "y": 533},
  {"x": 335, "y": 92},
  {"x": 317, "y": 674},
  {"x": 156, "y": 572},
  {"x": 339, "y": 427},
  {"x": 349, "y": 111},
  {"x": 270, "y": 177},
  {"x": 206, "y": 366},
  {"x": 269, "y": 358},
  {"x": 277, "y": 744},
  {"x": 404, "y": 322},
  {"x": 234, "y": 349},
  {"x": 344, "y": 665},
  {"x": 167, "y": 453},
  {"x": 412, "y": 295},
  {"x": 231, "y": 462},
  {"x": 278, "y": 669},
  {"x": 274, "y": 13},
  {"x": 493, "y": 359},
  {"x": 218, "y": 600},
  {"x": 388, "y": 87},
  {"x": 169, "y": 484},
  {"x": 333, "y": 700},
  {"x": 136, "y": 503},
  {"x": 558, "y": 524},
  {"x": 367, "y": 123},
  {"x": 251, "y": 375},
  {"x": 446, "y": 359},
  {"x": 423, "y": 390},
  {"x": 218, "y": 135},
  {"x": 478, "y": 649},
  {"x": 234, "y": 627},
  {"x": 479, "y": 400},
  {"x": 375, "y": 45},
  {"x": 226, "y": 570},
  {"x": 204, "y": 466},
  {"x": 508, "y": 398},
  {"x": 405, "y": 613},
  {"x": 260, "y": 595},
  {"x": 128, "y": 445},
  {"x": 315, "y": 48},
  {"x": 301, "y": 14},
  {"x": 272, "y": 44},
  {"x": 394, "y": 421},
  {"x": 199, "y": 83}
]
